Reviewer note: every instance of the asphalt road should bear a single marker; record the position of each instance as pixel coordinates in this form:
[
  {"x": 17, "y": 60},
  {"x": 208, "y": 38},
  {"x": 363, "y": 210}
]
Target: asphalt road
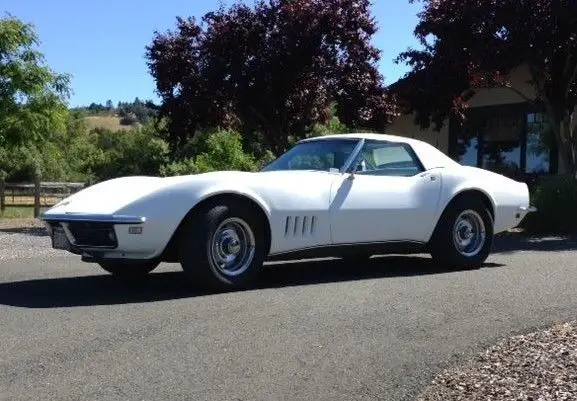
[{"x": 312, "y": 331}]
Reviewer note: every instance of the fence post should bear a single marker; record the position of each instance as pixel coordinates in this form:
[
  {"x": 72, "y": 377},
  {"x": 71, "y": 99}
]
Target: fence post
[
  {"x": 2, "y": 193},
  {"x": 37, "y": 176}
]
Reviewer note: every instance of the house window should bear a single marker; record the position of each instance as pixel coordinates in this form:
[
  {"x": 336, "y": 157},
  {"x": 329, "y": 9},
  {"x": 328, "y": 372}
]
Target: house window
[
  {"x": 510, "y": 140},
  {"x": 539, "y": 144},
  {"x": 501, "y": 135}
]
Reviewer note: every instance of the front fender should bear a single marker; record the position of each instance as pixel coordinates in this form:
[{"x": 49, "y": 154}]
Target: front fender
[{"x": 165, "y": 209}]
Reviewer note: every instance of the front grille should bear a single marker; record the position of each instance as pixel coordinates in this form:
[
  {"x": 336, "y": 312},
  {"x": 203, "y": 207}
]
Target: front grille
[{"x": 92, "y": 234}]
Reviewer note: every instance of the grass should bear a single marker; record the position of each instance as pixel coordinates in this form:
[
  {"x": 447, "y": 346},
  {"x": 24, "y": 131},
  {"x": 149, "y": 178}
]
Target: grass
[
  {"x": 18, "y": 212},
  {"x": 107, "y": 122}
]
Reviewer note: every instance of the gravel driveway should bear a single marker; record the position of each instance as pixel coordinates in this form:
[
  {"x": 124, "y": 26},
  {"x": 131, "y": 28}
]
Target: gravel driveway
[
  {"x": 25, "y": 239},
  {"x": 319, "y": 330}
]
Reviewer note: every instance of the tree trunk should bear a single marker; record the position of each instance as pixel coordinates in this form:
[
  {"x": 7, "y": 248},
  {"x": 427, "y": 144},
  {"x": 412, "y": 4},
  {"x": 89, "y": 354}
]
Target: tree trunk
[
  {"x": 564, "y": 138},
  {"x": 570, "y": 148}
]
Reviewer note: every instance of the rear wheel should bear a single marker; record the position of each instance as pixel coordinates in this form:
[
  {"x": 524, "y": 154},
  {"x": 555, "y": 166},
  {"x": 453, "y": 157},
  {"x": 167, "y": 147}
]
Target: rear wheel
[
  {"x": 223, "y": 246},
  {"x": 129, "y": 270},
  {"x": 464, "y": 236}
]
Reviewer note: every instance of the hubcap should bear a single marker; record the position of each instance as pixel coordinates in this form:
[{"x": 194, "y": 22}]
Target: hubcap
[
  {"x": 231, "y": 248},
  {"x": 469, "y": 233}
]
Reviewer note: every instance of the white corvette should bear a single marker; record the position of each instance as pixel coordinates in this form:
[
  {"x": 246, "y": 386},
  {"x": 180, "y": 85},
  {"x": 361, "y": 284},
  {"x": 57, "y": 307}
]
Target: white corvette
[{"x": 351, "y": 195}]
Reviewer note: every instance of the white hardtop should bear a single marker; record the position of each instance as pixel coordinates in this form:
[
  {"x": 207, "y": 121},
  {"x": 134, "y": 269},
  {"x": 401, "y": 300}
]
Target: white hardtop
[{"x": 430, "y": 156}]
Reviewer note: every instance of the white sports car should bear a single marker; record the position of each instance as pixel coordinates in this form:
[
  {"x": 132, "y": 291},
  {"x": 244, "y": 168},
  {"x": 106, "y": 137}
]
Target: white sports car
[{"x": 350, "y": 195}]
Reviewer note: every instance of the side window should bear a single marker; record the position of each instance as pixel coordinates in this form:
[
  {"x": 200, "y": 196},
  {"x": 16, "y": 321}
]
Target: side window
[{"x": 388, "y": 159}]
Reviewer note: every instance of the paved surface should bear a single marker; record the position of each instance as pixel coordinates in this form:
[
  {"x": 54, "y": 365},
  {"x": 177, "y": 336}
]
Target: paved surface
[{"x": 313, "y": 330}]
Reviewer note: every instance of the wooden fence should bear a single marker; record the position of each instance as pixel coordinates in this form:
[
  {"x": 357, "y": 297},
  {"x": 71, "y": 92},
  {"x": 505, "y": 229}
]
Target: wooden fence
[{"x": 38, "y": 194}]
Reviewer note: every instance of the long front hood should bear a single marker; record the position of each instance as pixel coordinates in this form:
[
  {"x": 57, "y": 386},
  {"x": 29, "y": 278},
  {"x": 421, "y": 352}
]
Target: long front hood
[{"x": 109, "y": 196}]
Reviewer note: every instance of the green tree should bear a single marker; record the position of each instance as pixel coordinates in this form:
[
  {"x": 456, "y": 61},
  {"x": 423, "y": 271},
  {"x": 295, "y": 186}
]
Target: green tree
[
  {"x": 32, "y": 96},
  {"x": 219, "y": 151},
  {"x": 133, "y": 152}
]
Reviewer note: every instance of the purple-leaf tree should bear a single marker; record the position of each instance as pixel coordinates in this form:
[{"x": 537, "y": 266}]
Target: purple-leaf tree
[
  {"x": 274, "y": 68},
  {"x": 469, "y": 44}
]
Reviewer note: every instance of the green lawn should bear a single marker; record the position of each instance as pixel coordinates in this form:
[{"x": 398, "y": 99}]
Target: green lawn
[{"x": 18, "y": 212}]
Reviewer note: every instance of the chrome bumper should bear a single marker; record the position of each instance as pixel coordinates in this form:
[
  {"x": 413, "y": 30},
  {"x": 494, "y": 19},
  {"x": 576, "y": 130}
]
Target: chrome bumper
[
  {"x": 530, "y": 209},
  {"x": 95, "y": 218}
]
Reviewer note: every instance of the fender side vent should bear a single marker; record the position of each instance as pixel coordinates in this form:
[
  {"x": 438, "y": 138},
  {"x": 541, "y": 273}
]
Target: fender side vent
[{"x": 300, "y": 226}]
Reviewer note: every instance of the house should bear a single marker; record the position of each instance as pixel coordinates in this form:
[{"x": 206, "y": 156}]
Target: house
[{"x": 501, "y": 133}]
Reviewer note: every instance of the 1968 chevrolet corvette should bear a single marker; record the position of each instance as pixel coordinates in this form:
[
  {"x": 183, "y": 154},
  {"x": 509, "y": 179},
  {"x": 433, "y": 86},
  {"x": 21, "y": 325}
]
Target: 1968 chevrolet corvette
[{"x": 349, "y": 195}]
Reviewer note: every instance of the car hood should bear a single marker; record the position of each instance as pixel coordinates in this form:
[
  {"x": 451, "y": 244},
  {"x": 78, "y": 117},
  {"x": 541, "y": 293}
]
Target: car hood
[{"x": 110, "y": 196}]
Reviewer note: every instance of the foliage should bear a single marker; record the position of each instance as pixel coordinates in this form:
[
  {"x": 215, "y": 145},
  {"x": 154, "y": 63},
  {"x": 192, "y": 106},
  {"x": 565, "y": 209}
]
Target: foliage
[
  {"x": 222, "y": 151},
  {"x": 556, "y": 202},
  {"x": 32, "y": 96},
  {"x": 133, "y": 152},
  {"x": 333, "y": 126},
  {"x": 469, "y": 44},
  {"x": 183, "y": 166},
  {"x": 130, "y": 113},
  {"x": 136, "y": 111},
  {"x": 272, "y": 70},
  {"x": 128, "y": 119}
]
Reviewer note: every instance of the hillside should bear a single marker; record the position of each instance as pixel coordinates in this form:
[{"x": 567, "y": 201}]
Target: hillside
[{"x": 110, "y": 122}]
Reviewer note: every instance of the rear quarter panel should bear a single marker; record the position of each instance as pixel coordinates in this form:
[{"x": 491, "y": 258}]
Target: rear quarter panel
[{"x": 506, "y": 195}]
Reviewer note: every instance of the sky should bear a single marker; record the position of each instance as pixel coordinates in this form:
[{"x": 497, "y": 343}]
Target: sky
[{"x": 102, "y": 44}]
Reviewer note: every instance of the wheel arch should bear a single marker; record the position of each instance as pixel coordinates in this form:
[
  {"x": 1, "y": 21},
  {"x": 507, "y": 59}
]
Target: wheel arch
[
  {"x": 476, "y": 193},
  {"x": 465, "y": 193},
  {"x": 170, "y": 252}
]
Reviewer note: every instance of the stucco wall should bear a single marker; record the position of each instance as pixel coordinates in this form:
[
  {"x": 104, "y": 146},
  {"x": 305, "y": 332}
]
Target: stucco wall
[
  {"x": 520, "y": 80},
  {"x": 404, "y": 125}
]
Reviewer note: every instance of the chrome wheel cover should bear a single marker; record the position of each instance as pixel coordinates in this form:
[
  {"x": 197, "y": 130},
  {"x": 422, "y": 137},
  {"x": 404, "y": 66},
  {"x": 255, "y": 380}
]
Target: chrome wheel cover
[
  {"x": 232, "y": 247},
  {"x": 469, "y": 233}
]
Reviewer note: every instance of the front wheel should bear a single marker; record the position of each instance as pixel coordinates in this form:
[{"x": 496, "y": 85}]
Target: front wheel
[
  {"x": 131, "y": 270},
  {"x": 464, "y": 235},
  {"x": 223, "y": 246}
]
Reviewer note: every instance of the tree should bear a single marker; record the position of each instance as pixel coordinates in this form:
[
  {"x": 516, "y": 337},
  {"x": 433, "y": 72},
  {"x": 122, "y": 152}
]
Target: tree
[
  {"x": 469, "y": 44},
  {"x": 273, "y": 69},
  {"x": 32, "y": 96}
]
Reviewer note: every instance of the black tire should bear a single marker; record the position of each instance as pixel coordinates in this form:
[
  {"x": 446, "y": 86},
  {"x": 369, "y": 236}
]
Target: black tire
[
  {"x": 129, "y": 270},
  {"x": 197, "y": 246},
  {"x": 444, "y": 248}
]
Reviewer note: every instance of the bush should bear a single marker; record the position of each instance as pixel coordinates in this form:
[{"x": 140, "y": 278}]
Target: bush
[
  {"x": 182, "y": 167},
  {"x": 132, "y": 152},
  {"x": 128, "y": 119},
  {"x": 556, "y": 201},
  {"x": 222, "y": 151}
]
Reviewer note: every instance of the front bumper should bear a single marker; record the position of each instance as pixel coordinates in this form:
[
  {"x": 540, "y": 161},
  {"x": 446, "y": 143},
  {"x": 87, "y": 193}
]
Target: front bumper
[
  {"x": 95, "y": 218},
  {"x": 525, "y": 210},
  {"x": 79, "y": 233}
]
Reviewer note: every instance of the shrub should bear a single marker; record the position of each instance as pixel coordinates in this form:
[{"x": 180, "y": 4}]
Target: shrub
[
  {"x": 556, "y": 201},
  {"x": 221, "y": 151},
  {"x": 128, "y": 119},
  {"x": 182, "y": 167},
  {"x": 132, "y": 152}
]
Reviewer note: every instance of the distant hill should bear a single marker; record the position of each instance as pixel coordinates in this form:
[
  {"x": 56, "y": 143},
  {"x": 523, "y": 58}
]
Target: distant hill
[
  {"x": 110, "y": 122},
  {"x": 108, "y": 116}
]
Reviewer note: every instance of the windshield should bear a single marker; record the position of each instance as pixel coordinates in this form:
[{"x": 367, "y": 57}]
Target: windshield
[{"x": 321, "y": 155}]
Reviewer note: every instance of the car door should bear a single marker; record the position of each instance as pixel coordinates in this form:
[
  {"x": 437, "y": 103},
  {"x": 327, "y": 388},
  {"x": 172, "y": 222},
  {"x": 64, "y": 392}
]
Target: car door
[{"x": 389, "y": 197}]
